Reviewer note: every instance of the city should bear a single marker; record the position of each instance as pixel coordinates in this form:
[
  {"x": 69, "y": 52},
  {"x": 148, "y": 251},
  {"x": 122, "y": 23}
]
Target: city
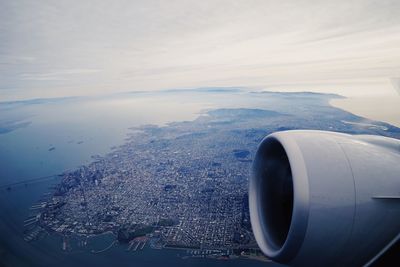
[{"x": 180, "y": 186}]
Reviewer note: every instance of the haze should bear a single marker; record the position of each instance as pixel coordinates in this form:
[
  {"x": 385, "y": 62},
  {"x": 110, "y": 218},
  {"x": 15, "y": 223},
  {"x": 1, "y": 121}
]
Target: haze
[{"x": 63, "y": 48}]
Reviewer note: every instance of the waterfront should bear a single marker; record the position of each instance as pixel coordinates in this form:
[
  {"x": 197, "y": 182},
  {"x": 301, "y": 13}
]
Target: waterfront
[
  {"x": 209, "y": 137},
  {"x": 60, "y": 135},
  {"x": 381, "y": 108}
]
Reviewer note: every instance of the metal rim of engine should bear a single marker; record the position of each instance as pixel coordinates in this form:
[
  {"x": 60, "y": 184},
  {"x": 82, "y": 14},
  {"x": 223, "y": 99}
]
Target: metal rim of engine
[{"x": 299, "y": 218}]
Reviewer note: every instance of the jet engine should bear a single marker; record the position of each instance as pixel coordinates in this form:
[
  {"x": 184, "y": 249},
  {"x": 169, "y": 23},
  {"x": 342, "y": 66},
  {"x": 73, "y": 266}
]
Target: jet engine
[{"x": 325, "y": 199}]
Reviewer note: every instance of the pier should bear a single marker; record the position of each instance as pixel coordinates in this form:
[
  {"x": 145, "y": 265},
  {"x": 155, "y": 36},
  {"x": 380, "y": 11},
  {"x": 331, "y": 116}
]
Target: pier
[{"x": 137, "y": 243}]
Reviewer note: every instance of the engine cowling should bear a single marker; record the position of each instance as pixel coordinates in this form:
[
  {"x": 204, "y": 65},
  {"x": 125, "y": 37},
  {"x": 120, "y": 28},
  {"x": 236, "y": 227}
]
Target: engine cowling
[{"x": 323, "y": 198}]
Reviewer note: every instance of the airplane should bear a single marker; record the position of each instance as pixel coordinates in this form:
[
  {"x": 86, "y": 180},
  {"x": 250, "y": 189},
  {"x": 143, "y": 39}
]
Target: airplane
[{"x": 320, "y": 198}]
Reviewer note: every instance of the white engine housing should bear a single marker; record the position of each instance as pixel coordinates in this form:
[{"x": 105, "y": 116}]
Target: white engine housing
[{"x": 323, "y": 198}]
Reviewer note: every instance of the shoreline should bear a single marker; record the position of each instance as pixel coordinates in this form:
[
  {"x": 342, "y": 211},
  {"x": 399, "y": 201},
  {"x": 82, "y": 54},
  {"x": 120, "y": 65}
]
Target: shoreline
[{"x": 381, "y": 108}]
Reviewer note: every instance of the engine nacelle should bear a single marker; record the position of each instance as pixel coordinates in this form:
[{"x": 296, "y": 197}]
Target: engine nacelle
[{"x": 323, "y": 198}]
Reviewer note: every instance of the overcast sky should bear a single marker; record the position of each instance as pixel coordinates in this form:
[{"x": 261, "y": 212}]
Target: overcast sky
[{"x": 62, "y": 48}]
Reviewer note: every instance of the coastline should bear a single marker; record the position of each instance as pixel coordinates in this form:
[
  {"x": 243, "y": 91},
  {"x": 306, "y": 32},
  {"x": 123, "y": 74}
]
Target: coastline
[{"x": 379, "y": 108}]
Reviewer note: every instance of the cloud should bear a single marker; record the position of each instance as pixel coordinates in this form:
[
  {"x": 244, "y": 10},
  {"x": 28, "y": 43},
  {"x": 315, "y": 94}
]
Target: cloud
[
  {"x": 57, "y": 75},
  {"x": 88, "y": 47}
]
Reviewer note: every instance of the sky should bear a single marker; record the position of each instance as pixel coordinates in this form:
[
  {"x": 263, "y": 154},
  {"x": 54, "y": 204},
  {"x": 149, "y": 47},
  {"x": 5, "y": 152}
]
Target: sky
[{"x": 68, "y": 48}]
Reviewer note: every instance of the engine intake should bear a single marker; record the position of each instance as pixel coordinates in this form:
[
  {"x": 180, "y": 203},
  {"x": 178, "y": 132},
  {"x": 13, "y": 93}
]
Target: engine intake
[{"x": 323, "y": 198}]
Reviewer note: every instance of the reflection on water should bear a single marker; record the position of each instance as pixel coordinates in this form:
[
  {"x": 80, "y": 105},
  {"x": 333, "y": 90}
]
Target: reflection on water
[
  {"x": 64, "y": 134},
  {"x": 385, "y": 109}
]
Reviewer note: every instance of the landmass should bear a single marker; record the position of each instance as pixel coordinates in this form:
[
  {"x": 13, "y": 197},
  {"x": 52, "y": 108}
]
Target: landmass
[{"x": 185, "y": 185}]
